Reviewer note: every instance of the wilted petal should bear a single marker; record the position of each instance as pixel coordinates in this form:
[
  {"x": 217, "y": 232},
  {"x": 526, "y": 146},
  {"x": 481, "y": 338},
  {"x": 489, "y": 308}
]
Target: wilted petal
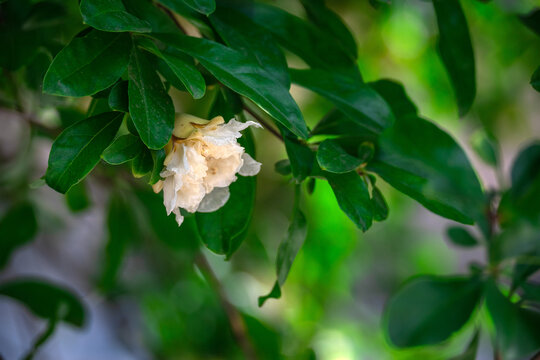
[
  {"x": 250, "y": 167},
  {"x": 169, "y": 194},
  {"x": 178, "y": 216},
  {"x": 214, "y": 200},
  {"x": 226, "y": 133},
  {"x": 190, "y": 195},
  {"x": 222, "y": 172}
]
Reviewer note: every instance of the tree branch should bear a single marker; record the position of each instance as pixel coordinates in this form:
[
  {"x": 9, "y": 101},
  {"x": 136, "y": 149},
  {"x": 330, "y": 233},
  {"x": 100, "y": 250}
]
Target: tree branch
[
  {"x": 236, "y": 321},
  {"x": 263, "y": 123}
]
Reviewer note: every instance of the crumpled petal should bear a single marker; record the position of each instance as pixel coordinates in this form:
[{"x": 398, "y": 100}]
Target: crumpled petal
[
  {"x": 214, "y": 200},
  {"x": 178, "y": 216},
  {"x": 222, "y": 172},
  {"x": 250, "y": 166},
  {"x": 226, "y": 133}
]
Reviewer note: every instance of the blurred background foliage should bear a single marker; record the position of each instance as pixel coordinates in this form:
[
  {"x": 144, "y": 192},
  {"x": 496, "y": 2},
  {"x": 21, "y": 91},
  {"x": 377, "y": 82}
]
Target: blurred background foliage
[{"x": 161, "y": 306}]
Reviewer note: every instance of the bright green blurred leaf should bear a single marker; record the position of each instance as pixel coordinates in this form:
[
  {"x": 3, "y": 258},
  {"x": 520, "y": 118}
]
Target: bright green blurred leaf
[
  {"x": 486, "y": 147},
  {"x": 461, "y": 236},
  {"x": 77, "y": 197},
  {"x": 428, "y": 310},
  {"x": 78, "y": 149},
  {"x": 88, "y": 64},
  {"x": 18, "y": 227}
]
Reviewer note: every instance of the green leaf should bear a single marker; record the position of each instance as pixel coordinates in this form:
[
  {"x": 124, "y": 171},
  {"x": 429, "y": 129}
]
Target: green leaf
[
  {"x": 88, "y": 64},
  {"x": 77, "y": 197},
  {"x": 45, "y": 300},
  {"x": 486, "y": 147},
  {"x": 456, "y": 51},
  {"x": 118, "y": 97},
  {"x": 18, "y": 227},
  {"x": 143, "y": 163},
  {"x": 150, "y": 107},
  {"x": 531, "y": 292},
  {"x": 223, "y": 231},
  {"x": 333, "y": 158},
  {"x": 122, "y": 229},
  {"x": 532, "y": 21},
  {"x": 242, "y": 75},
  {"x": 396, "y": 97},
  {"x": 301, "y": 157},
  {"x": 242, "y": 34},
  {"x": 380, "y": 207},
  {"x": 330, "y": 22},
  {"x": 283, "y": 167},
  {"x": 535, "y": 79},
  {"x": 111, "y": 15},
  {"x": 316, "y": 47},
  {"x": 518, "y": 334},
  {"x": 522, "y": 239},
  {"x": 123, "y": 149},
  {"x": 158, "y": 157},
  {"x": 182, "y": 68},
  {"x": 424, "y": 162},
  {"x": 357, "y": 100},
  {"x": 428, "y": 310},
  {"x": 461, "y": 236},
  {"x": 205, "y": 7},
  {"x": 78, "y": 149},
  {"x": 471, "y": 350},
  {"x": 289, "y": 247},
  {"x": 335, "y": 122},
  {"x": 352, "y": 196},
  {"x": 149, "y": 12}
]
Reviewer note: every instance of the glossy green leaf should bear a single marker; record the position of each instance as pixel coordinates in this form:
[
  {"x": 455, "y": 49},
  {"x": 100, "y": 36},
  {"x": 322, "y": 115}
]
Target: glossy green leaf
[
  {"x": 78, "y": 149},
  {"x": 335, "y": 122},
  {"x": 111, "y": 15},
  {"x": 143, "y": 163},
  {"x": 456, "y": 51},
  {"x": 149, "y": 12},
  {"x": 118, "y": 97},
  {"x": 301, "y": 157},
  {"x": 353, "y": 197},
  {"x": 380, "y": 207},
  {"x": 330, "y": 22},
  {"x": 461, "y": 236},
  {"x": 45, "y": 300},
  {"x": 428, "y": 310},
  {"x": 222, "y": 231},
  {"x": 289, "y": 247},
  {"x": 316, "y": 47},
  {"x": 18, "y": 227},
  {"x": 123, "y": 149},
  {"x": 88, "y": 64},
  {"x": 182, "y": 68},
  {"x": 333, "y": 158},
  {"x": 424, "y": 162},
  {"x": 242, "y": 75},
  {"x": 122, "y": 230},
  {"x": 77, "y": 197},
  {"x": 396, "y": 97},
  {"x": 357, "y": 100},
  {"x": 242, "y": 34},
  {"x": 150, "y": 107},
  {"x": 205, "y": 7},
  {"x": 535, "y": 79},
  {"x": 518, "y": 334}
]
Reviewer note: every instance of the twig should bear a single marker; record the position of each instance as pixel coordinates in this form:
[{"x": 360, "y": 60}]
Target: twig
[
  {"x": 263, "y": 123},
  {"x": 238, "y": 325},
  {"x": 173, "y": 18}
]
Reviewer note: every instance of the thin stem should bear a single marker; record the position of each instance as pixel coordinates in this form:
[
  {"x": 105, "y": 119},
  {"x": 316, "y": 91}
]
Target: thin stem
[
  {"x": 173, "y": 18},
  {"x": 238, "y": 325},
  {"x": 263, "y": 123},
  {"x": 49, "y": 330}
]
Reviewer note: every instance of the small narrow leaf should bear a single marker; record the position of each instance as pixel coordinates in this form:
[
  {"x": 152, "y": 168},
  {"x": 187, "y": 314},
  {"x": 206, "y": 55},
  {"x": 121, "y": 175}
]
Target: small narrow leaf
[
  {"x": 111, "y": 15},
  {"x": 535, "y": 80},
  {"x": 18, "y": 227},
  {"x": 45, "y": 300},
  {"x": 158, "y": 157},
  {"x": 353, "y": 198},
  {"x": 118, "y": 97},
  {"x": 150, "y": 107},
  {"x": 357, "y": 100},
  {"x": 301, "y": 157},
  {"x": 142, "y": 164},
  {"x": 283, "y": 167},
  {"x": 333, "y": 158},
  {"x": 461, "y": 236},
  {"x": 456, "y": 51},
  {"x": 88, "y": 64},
  {"x": 78, "y": 149},
  {"x": 380, "y": 207},
  {"x": 123, "y": 149},
  {"x": 428, "y": 310},
  {"x": 486, "y": 147}
]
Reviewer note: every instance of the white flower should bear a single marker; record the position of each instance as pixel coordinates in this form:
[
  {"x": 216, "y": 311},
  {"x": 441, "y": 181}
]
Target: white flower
[{"x": 202, "y": 160}]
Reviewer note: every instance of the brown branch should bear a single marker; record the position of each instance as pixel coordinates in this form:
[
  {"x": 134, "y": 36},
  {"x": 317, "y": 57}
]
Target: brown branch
[
  {"x": 263, "y": 123},
  {"x": 238, "y": 325}
]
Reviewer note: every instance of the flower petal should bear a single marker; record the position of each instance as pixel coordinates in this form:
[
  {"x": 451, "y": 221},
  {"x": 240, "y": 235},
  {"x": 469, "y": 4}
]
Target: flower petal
[
  {"x": 178, "y": 216},
  {"x": 226, "y": 133},
  {"x": 250, "y": 167},
  {"x": 214, "y": 200}
]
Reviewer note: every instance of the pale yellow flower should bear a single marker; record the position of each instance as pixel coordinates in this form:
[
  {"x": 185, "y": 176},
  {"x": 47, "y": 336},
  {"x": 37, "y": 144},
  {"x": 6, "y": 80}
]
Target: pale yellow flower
[{"x": 202, "y": 160}]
